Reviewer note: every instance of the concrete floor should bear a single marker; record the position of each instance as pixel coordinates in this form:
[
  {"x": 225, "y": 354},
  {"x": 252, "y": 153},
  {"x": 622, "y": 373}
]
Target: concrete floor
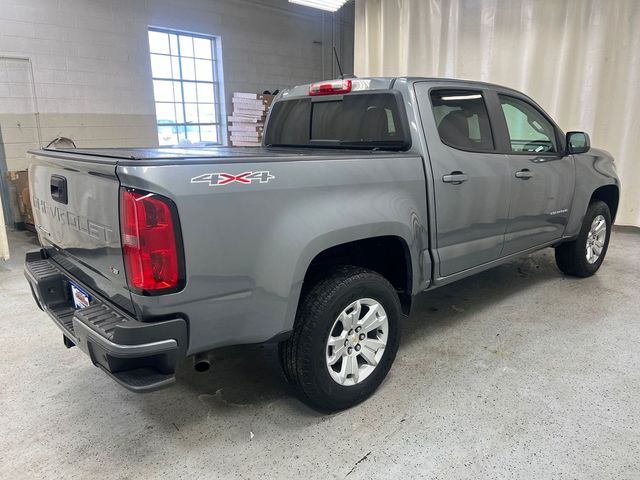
[{"x": 518, "y": 372}]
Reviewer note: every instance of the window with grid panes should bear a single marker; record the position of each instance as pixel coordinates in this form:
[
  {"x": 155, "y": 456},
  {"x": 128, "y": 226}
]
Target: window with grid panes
[{"x": 184, "y": 67}]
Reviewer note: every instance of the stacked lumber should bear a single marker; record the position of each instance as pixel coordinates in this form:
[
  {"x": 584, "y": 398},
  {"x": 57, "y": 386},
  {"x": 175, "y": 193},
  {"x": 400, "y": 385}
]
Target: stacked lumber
[{"x": 246, "y": 123}]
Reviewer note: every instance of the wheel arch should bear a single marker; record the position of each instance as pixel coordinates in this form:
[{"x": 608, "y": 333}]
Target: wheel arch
[
  {"x": 387, "y": 255},
  {"x": 609, "y": 194},
  {"x": 341, "y": 247}
]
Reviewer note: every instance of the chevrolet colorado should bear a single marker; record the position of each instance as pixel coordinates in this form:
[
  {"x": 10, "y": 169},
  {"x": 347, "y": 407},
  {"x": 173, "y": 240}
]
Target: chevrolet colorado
[{"x": 366, "y": 192}]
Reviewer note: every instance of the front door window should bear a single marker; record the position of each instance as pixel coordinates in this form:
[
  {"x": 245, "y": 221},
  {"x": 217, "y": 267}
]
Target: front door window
[{"x": 529, "y": 130}]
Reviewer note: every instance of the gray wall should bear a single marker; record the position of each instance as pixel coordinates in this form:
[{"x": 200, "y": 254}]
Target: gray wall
[{"x": 91, "y": 77}]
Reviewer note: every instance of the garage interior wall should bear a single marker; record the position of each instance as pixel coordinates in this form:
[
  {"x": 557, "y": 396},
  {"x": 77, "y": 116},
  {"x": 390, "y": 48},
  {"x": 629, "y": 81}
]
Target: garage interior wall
[
  {"x": 91, "y": 67},
  {"x": 579, "y": 59}
]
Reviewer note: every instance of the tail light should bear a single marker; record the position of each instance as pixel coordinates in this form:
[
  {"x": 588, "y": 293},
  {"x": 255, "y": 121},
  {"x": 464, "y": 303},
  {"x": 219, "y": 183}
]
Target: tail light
[
  {"x": 330, "y": 88},
  {"x": 150, "y": 242}
]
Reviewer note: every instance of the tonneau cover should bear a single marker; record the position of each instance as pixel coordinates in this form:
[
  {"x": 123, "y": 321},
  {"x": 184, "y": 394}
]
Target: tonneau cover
[{"x": 168, "y": 155}]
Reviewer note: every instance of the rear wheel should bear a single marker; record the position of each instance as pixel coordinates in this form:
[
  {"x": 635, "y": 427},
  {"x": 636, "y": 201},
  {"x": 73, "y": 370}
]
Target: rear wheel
[
  {"x": 583, "y": 256},
  {"x": 345, "y": 339}
]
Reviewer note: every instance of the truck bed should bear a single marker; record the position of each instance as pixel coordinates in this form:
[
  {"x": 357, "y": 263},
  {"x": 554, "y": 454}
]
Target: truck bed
[{"x": 245, "y": 246}]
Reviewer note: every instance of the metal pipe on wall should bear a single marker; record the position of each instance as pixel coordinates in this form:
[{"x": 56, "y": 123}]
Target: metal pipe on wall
[
  {"x": 4, "y": 243},
  {"x": 4, "y": 187}
]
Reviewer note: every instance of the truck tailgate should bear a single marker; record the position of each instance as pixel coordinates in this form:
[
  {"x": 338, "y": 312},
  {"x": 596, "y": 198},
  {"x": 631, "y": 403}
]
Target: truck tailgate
[{"x": 76, "y": 212}]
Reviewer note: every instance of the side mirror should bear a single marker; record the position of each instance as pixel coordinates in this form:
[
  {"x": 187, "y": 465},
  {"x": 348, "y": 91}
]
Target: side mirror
[{"x": 578, "y": 142}]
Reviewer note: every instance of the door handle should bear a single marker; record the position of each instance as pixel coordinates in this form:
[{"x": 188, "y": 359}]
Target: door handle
[
  {"x": 456, "y": 178},
  {"x": 59, "y": 188},
  {"x": 524, "y": 174}
]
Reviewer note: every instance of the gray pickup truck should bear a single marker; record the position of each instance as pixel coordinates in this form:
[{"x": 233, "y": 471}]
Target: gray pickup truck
[{"x": 366, "y": 192}]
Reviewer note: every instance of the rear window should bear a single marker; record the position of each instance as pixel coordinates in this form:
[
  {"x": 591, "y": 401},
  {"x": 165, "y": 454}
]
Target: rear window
[
  {"x": 462, "y": 119},
  {"x": 369, "y": 120}
]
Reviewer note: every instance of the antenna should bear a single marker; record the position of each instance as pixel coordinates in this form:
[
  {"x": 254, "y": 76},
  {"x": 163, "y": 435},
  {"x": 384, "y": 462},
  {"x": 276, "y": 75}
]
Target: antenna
[{"x": 335, "y": 53}]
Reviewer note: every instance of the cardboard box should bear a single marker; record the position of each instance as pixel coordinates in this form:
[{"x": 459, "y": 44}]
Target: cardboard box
[
  {"x": 245, "y": 127},
  {"x": 267, "y": 99},
  {"x": 246, "y": 122},
  {"x": 250, "y": 96},
  {"x": 245, "y": 138},
  {"x": 246, "y": 103},
  {"x": 249, "y": 113},
  {"x": 234, "y": 118},
  {"x": 20, "y": 180},
  {"x": 246, "y": 144}
]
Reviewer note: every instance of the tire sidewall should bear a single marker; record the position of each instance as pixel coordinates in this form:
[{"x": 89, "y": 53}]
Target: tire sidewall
[
  {"x": 595, "y": 209},
  {"x": 379, "y": 290}
]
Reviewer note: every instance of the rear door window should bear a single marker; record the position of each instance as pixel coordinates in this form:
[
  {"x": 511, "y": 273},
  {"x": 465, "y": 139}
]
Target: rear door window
[{"x": 462, "y": 119}]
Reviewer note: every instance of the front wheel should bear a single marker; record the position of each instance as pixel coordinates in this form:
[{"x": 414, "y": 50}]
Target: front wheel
[
  {"x": 583, "y": 256},
  {"x": 344, "y": 340}
]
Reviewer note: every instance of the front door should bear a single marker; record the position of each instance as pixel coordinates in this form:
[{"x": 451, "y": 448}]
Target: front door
[
  {"x": 541, "y": 174},
  {"x": 471, "y": 180}
]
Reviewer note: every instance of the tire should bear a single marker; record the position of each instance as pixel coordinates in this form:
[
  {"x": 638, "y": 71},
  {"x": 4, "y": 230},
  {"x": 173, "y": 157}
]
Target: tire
[
  {"x": 571, "y": 257},
  {"x": 304, "y": 356}
]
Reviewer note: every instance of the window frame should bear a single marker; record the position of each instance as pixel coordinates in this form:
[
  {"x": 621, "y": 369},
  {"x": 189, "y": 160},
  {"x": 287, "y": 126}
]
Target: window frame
[
  {"x": 216, "y": 83},
  {"x": 487, "y": 105},
  {"x": 506, "y": 138}
]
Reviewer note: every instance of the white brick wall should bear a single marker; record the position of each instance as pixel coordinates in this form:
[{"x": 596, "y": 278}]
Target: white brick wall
[{"x": 91, "y": 59}]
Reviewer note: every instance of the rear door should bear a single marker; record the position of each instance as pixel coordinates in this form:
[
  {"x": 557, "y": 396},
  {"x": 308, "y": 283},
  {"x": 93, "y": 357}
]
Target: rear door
[
  {"x": 542, "y": 176},
  {"x": 472, "y": 180},
  {"x": 76, "y": 213}
]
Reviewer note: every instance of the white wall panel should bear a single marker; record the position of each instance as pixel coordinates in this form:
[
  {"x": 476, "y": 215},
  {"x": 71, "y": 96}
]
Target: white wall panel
[
  {"x": 580, "y": 59},
  {"x": 91, "y": 60}
]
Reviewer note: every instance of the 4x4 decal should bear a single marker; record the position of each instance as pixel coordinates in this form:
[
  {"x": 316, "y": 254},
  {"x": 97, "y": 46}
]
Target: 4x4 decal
[{"x": 219, "y": 179}]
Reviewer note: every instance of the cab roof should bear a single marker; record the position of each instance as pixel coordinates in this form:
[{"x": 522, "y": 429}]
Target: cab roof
[{"x": 385, "y": 83}]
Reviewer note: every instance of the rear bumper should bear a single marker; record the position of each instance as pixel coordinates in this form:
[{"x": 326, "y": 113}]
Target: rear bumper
[{"x": 141, "y": 356}]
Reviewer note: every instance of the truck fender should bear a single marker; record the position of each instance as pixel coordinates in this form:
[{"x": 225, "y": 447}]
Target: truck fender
[
  {"x": 285, "y": 272},
  {"x": 594, "y": 170}
]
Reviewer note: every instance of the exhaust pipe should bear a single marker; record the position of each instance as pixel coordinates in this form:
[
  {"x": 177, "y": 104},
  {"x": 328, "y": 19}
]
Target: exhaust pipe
[{"x": 201, "y": 362}]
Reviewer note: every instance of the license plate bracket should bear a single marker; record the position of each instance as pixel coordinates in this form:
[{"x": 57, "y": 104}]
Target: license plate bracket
[{"x": 81, "y": 299}]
